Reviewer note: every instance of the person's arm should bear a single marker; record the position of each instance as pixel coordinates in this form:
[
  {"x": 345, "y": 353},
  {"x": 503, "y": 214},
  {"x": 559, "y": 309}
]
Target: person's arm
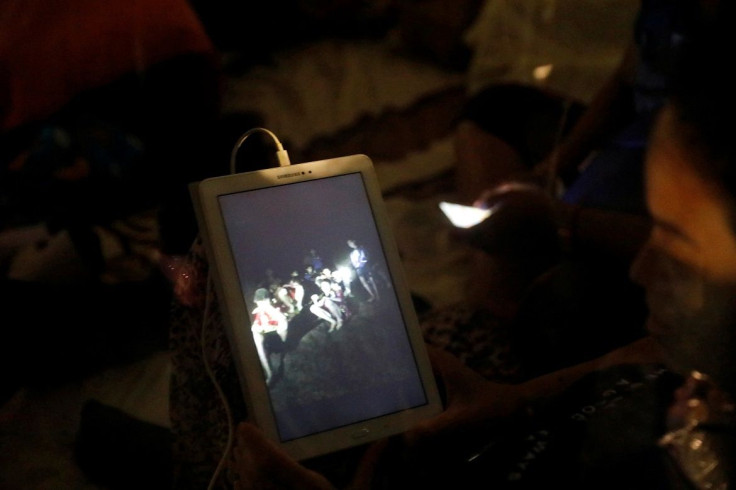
[
  {"x": 520, "y": 211},
  {"x": 475, "y": 405},
  {"x": 539, "y": 390},
  {"x": 606, "y": 112},
  {"x": 611, "y": 235}
]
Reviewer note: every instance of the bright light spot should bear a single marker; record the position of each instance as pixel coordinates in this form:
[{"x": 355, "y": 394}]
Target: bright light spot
[
  {"x": 696, "y": 444},
  {"x": 344, "y": 273},
  {"x": 464, "y": 216},
  {"x": 542, "y": 72}
]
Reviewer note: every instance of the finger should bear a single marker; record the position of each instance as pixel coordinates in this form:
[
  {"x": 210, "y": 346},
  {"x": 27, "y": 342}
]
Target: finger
[
  {"x": 428, "y": 430},
  {"x": 258, "y": 458},
  {"x": 468, "y": 397},
  {"x": 441, "y": 360},
  {"x": 366, "y": 470},
  {"x": 246, "y": 466},
  {"x": 261, "y": 464}
]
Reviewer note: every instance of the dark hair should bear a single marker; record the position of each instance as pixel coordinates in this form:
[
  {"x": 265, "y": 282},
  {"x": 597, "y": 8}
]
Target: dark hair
[
  {"x": 704, "y": 97},
  {"x": 261, "y": 294}
]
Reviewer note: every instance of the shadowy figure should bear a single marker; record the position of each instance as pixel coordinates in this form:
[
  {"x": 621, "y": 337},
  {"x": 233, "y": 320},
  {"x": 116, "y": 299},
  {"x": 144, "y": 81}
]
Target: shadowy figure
[{"x": 359, "y": 260}]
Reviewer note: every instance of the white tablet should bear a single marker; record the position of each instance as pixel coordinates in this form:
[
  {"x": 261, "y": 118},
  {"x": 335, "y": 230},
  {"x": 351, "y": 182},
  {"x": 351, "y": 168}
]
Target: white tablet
[{"x": 316, "y": 305}]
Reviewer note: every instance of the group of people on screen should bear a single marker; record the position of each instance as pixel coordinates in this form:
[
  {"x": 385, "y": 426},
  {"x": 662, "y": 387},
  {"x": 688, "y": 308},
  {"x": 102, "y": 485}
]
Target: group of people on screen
[{"x": 326, "y": 293}]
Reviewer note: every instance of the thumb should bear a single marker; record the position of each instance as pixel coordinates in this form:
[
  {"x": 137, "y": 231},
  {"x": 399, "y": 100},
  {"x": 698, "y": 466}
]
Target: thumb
[{"x": 366, "y": 470}]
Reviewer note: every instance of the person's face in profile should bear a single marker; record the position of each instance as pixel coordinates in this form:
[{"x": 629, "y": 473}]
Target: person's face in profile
[{"x": 688, "y": 265}]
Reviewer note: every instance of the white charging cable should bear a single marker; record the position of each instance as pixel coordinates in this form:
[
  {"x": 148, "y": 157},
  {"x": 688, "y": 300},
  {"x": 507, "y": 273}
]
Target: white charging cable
[{"x": 281, "y": 155}]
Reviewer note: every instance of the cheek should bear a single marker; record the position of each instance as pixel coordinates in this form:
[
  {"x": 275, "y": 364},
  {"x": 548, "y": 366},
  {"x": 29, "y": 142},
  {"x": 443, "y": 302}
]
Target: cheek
[
  {"x": 693, "y": 320},
  {"x": 722, "y": 260},
  {"x": 673, "y": 291}
]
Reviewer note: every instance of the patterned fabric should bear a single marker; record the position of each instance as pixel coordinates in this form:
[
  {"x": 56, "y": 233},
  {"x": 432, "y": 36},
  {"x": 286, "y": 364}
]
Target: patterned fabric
[
  {"x": 476, "y": 336},
  {"x": 199, "y": 420}
]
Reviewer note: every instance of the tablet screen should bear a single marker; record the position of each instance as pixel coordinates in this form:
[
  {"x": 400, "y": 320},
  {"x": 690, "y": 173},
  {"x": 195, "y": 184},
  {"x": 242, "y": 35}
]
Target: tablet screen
[{"x": 325, "y": 317}]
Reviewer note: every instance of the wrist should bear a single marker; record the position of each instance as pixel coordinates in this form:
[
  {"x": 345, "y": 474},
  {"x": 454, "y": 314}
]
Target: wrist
[
  {"x": 527, "y": 400},
  {"x": 568, "y": 219}
]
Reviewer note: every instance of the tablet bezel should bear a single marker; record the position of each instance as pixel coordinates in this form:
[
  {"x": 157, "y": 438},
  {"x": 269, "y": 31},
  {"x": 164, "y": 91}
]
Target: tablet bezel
[{"x": 235, "y": 311}]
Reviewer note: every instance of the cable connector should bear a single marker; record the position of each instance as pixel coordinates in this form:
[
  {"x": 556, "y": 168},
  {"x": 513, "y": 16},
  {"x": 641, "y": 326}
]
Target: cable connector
[
  {"x": 283, "y": 158},
  {"x": 281, "y": 155}
]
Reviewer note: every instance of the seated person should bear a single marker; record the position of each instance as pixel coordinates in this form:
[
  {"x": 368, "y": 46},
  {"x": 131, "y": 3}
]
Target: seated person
[
  {"x": 658, "y": 414},
  {"x": 553, "y": 291},
  {"x": 326, "y": 307},
  {"x": 295, "y": 292},
  {"x": 508, "y": 130}
]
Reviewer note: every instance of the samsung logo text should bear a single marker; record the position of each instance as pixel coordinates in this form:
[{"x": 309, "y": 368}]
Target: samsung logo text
[{"x": 286, "y": 176}]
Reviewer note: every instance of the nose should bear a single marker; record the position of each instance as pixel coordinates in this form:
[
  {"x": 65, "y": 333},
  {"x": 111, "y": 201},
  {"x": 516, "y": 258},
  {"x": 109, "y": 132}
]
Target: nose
[{"x": 646, "y": 269}]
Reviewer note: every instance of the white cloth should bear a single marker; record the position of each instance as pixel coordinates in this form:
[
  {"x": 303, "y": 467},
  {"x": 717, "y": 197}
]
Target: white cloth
[
  {"x": 320, "y": 88},
  {"x": 578, "y": 42}
]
